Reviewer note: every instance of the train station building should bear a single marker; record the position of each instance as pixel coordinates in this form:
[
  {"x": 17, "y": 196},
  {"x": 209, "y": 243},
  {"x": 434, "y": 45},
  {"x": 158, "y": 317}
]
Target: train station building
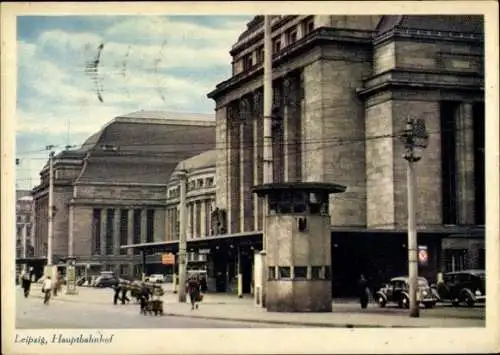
[
  {"x": 111, "y": 191},
  {"x": 343, "y": 89}
]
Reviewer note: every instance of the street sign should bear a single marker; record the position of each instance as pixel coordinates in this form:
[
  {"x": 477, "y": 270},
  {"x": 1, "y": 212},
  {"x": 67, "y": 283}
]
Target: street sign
[
  {"x": 168, "y": 259},
  {"x": 423, "y": 255}
]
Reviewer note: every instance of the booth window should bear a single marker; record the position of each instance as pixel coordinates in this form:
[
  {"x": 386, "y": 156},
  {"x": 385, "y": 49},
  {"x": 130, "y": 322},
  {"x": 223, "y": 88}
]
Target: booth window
[
  {"x": 299, "y": 202},
  {"x": 316, "y": 272},
  {"x": 285, "y": 205},
  {"x": 284, "y": 272},
  {"x": 300, "y": 272},
  {"x": 328, "y": 273},
  {"x": 273, "y": 202},
  {"x": 271, "y": 273}
]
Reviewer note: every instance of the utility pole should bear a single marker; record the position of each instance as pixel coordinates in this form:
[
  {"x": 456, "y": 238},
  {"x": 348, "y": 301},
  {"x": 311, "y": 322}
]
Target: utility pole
[
  {"x": 50, "y": 215},
  {"x": 414, "y": 138},
  {"x": 182, "y": 237},
  {"x": 268, "y": 139},
  {"x": 50, "y": 233}
]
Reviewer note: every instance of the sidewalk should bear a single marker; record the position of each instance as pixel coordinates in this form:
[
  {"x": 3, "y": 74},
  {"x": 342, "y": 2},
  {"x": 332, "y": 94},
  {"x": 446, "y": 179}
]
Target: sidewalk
[{"x": 231, "y": 308}]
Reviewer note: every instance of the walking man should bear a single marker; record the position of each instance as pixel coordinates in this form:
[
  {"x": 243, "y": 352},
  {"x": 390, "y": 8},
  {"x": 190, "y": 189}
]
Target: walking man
[
  {"x": 26, "y": 283},
  {"x": 363, "y": 291},
  {"x": 193, "y": 287},
  {"x": 47, "y": 290},
  {"x": 117, "y": 289}
]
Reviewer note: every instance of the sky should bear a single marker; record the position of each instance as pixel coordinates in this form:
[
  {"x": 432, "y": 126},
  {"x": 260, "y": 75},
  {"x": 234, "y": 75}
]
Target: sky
[{"x": 166, "y": 63}]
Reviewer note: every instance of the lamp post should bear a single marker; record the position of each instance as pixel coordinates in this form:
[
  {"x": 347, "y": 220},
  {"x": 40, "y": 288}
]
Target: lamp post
[
  {"x": 182, "y": 237},
  {"x": 415, "y": 138},
  {"x": 50, "y": 209},
  {"x": 268, "y": 139}
]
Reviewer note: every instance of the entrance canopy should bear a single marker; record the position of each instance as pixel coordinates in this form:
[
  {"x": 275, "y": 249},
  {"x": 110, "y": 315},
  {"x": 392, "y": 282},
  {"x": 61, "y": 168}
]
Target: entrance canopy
[{"x": 203, "y": 242}]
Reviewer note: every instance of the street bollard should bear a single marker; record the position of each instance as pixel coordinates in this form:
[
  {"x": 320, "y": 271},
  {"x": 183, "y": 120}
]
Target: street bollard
[
  {"x": 240, "y": 285},
  {"x": 174, "y": 282}
]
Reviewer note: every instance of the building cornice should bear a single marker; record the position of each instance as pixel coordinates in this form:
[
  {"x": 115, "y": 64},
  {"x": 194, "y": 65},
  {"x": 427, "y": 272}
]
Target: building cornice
[
  {"x": 109, "y": 184},
  {"x": 318, "y": 37},
  {"x": 116, "y": 202},
  {"x": 417, "y": 78},
  {"x": 427, "y": 35}
]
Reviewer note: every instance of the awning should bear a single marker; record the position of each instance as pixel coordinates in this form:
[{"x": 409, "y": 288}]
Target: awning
[{"x": 199, "y": 242}]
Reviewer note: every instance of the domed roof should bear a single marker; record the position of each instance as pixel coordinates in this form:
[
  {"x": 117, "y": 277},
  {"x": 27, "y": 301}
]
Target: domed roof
[{"x": 201, "y": 161}]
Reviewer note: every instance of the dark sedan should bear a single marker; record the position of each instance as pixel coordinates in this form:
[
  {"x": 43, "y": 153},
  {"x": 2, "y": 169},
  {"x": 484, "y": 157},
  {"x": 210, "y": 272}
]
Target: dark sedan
[
  {"x": 106, "y": 281},
  {"x": 466, "y": 286}
]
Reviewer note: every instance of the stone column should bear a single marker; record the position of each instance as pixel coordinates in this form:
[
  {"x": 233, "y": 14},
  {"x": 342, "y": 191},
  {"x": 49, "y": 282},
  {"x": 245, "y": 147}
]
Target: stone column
[
  {"x": 277, "y": 133},
  {"x": 246, "y": 166},
  {"x": 195, "y": 219},
  {"x": 258, "y": 144},
  {"x": 291, "y": 131},
  {"x": 203, "y": 218},
  {"x": 464, "y": 159},
  {"x": 189, "y": 229},
  {"x": 234, "y": 170},
  {"x": 71, "y": 221},
  {"x": 103, "y": 230},
  {"x": 144, "y": 224},
  {"x": 130, "y": 230},
  {"x": 116, "y": 232}
]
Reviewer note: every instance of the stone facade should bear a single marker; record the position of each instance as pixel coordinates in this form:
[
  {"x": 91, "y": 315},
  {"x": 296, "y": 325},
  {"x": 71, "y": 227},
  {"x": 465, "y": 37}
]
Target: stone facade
[
  {"x": 344, "y": 87},
  {"x": 200, "y": 197},
  {"x": 24, "y": 224},
  {"x": 112, "y": 191}
]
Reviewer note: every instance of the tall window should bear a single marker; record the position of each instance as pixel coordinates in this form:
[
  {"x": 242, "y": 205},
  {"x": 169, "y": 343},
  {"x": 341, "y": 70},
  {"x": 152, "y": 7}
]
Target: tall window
[
  {"x": 110, "y": 218},
  {"x": 260, "y": 55},
  {"x": 479, "y": 171},
  {"x": 137, "y": 229},
  {"x": 247, "y": 62},
  {"x": 123, "y": 230},
  {"x": 276, "y": 45},
  {"x": 291, "y": 36},
  {"x": 96, "y": 231},
  {"x": 150, "y": 226},
  {"x": 308, "y": 26},
  {"x": 448, "y": 166}
]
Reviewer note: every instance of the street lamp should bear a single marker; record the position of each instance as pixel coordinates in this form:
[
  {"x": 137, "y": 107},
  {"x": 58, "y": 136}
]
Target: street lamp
[{"x": 415, "y": 139}]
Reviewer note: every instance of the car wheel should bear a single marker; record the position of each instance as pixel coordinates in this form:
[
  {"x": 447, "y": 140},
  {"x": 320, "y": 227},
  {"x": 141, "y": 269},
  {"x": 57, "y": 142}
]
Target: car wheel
[
  {"x": 429, "y": 305},
  {"x": 455, "y": 303},
  {"x": 404, "y": 303},
  {"x": 467, "y": 299},
  {"x": 381, "y": 302}
]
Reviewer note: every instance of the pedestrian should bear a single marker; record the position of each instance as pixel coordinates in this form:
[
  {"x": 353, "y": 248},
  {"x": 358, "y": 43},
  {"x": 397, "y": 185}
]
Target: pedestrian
[
  {"x": 57, "y": 283},
  {"x": 124, "y": 293},
  {"x": 47, "y": 290},
  {"x": 26, "y": 283},
  {"x": 193, "y": 288},
  {"x": 363, "y": 291},
  {"x": 203, "y": 284},
  {"x": 117, "y": 290},
  {"x": 143, "y": 296}
]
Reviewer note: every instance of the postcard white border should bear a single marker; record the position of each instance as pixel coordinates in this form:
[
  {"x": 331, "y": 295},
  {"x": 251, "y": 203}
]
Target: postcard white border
[{"x": 461, "y": 340}]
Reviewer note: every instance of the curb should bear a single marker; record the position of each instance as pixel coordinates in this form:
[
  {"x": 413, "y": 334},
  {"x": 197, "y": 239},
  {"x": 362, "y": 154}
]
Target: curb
[{"x": 306, "y": 324}]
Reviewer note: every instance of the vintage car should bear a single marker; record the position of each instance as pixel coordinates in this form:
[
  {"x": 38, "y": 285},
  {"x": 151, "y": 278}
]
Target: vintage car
[
  {"x": 396, "y": 291},
  {"x": 466, "y": 286}
]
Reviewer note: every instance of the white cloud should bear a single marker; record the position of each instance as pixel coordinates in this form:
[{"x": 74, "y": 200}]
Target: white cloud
[{"x": 140, "y": 68}]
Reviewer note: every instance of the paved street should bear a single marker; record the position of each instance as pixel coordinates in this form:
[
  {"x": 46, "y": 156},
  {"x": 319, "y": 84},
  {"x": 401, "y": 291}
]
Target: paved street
[
  {"x": 93, "y": 308},
  {"x": 61, "y": 314}
]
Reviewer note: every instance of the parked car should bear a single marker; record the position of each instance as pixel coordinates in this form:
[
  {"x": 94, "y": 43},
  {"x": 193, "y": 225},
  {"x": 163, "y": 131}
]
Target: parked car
[
  {"x": 106, "y": 280},
  {"x": 466, "y": 286},
  {"x": 155, "y": 278},
  {"x": 397, "y": 291}
]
